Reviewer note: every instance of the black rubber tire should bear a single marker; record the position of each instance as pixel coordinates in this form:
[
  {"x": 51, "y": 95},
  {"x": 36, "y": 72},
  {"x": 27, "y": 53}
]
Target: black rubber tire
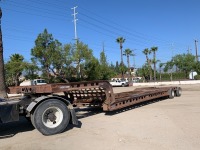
[
  {"x": 171, "y": 94},
  {"x": 123, "y": 85},
  {"x": 178, "y": 92},
  {"x": 38, "y": 116},
  {"x": 32, "y": 120}
]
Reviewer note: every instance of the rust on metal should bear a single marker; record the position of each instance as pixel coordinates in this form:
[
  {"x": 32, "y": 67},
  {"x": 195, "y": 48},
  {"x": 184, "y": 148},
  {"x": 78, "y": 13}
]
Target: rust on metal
[{"x": 95, "y": 93}]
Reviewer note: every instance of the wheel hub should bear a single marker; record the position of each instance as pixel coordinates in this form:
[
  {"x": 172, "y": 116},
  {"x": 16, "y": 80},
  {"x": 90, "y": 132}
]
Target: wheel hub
[{"x": 51, "y": 117}]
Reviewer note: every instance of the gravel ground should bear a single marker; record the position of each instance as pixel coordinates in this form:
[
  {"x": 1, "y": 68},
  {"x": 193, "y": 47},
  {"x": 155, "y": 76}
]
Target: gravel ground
[{"x": 172, "y": 124}]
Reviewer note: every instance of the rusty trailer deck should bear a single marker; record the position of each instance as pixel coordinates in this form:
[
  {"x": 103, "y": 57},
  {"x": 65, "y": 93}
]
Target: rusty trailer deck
[
  {"x": 97, "y": 93},
  {"x": 51, "y": 107}
]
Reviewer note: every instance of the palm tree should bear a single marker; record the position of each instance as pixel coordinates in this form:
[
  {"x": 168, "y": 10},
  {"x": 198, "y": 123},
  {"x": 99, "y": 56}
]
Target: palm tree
[
  {"x": 154, "y": 49},
  {"x": 121, "y": 40},
  {"x": 3, "y": 93},
  {"x": 128, "y": 53},
  {"x": 154, "y": 61},
  {"x": 147, "y": 52}
]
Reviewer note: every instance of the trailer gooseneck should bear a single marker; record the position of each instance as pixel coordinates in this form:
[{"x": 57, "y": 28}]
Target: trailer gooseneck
[{"x": 50, "y": 112}]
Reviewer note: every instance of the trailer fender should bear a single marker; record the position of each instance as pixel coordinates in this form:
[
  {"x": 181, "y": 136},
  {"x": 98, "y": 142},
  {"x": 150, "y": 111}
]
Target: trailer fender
[{"x": 32, "y": 106}]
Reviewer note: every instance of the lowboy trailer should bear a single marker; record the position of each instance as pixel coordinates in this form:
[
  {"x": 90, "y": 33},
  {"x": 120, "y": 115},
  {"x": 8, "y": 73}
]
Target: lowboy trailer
[{"x": 50, "y": 112}]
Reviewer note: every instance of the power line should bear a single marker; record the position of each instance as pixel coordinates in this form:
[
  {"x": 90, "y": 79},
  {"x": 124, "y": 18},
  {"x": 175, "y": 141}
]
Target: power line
[
  {"x": 136, "y": 34},
  {"x": 39, "y": 15},
  {"x": 42, "y": 6},
  {"x": 108, "y": 28}
]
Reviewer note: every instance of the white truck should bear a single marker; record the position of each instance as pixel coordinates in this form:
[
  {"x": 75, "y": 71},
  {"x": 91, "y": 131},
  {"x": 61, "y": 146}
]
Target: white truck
[
  {"x": 33, "y": 82},
  {"x": 122, "y": 83}
]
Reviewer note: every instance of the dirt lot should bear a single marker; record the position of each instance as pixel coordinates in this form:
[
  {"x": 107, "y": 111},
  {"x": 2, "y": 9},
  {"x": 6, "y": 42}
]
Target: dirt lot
[{"x": 172, "y": 124}]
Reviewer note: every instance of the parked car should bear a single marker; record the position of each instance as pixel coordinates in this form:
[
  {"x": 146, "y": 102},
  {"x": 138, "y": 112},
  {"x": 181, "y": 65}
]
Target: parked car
[{"x": 122, "y": 83}]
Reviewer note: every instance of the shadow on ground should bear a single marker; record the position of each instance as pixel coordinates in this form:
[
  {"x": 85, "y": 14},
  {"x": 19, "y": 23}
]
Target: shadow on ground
[
  {"x": 23, "y": 125},
  {"x": 10, "y": 129}
]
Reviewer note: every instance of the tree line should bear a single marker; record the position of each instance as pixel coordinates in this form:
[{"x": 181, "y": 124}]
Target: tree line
[
  {"x": 57, "y": 62},
  {"x": 178, "y": 67}
]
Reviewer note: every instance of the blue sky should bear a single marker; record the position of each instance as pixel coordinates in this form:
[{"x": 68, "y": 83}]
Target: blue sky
[{"x": 171, "y": 25}]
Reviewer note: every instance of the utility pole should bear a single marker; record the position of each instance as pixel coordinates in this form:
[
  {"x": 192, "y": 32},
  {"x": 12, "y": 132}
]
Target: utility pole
[
  {"x": 103, "y": 47},
  {"x": 172, "y": 46},
  {"x": 188, "y": 51},
  {"x": 196, "y": 48},
  {"x": 76, "y": 38},
  {"x": 75, "y": 20}
]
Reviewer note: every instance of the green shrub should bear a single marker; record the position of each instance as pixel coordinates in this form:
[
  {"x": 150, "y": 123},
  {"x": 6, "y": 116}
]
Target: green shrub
[
  {"x": 175, "y": 76},
  {"x": 197, "y": 77}
]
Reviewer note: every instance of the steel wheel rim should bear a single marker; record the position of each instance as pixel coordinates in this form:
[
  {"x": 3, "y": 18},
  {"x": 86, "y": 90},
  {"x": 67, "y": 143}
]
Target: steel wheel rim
[
  {"x": 180, "y": 91},
  {"x": 173, "y": 93},
  {"x": 52, "y": 117}
]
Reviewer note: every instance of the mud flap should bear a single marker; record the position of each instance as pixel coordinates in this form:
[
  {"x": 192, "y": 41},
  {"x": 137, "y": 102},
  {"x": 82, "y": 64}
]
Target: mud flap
[{"x": 74, "y": 119}]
